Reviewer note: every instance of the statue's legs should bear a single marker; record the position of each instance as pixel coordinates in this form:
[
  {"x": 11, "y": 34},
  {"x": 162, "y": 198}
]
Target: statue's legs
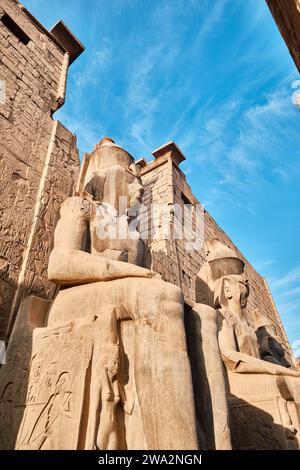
[
  {"x": 161, "y": 369},
  {"x": 208, "y": 378}
]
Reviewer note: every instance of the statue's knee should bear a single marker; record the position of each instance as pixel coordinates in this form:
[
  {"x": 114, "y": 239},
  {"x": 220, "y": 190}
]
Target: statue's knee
[
  {"x": 158, "y": 298},
  {"x": 206, "y": 313},
  {"x": 172, "y": 300},
  {"x": 173, "y": 293},
  {"x": 165, "y": 292}
]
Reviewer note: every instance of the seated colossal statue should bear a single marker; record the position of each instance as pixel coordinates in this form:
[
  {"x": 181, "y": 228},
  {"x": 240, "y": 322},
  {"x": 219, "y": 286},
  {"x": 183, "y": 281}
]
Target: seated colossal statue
[
  {"x": 108, "y": 364},
  {"x": 263, "y": 390},
  {"x": 118, "y": 360}
]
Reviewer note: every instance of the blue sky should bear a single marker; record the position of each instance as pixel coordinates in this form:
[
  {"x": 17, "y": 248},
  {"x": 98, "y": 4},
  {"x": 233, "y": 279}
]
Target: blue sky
[{"x": 216, "y": 77}]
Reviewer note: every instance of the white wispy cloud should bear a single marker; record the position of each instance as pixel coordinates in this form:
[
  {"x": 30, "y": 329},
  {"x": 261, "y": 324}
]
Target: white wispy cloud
[
  {"x": 292, "y": 292},
  {"x": 87, "y": 135},
  {"x": 288, "y": 279},
  {"x": 286, "y": 292},
  {"x": 242, "y": 142},
  {"x": 262, "y": 265}
]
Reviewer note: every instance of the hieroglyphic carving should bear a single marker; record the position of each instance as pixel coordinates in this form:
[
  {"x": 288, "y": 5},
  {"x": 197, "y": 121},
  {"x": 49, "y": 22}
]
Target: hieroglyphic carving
[
  {"x": 52, "y": 409},
  {"x": 6, "y": 415},
  {"x": 76, "y": 357},
  {"x": 32, "y": 185},
  {"x": 13, "y": 388},
  {"x": 253, "y": 427}
]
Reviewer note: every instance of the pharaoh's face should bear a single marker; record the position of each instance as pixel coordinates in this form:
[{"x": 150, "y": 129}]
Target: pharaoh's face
[{"x": 236, "y": 290}]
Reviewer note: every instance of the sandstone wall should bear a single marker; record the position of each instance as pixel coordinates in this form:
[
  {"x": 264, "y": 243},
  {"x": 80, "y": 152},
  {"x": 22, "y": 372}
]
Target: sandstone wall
[
  {"x": 165, "y": 183},
  {"x": 286, "y": 13},
  {"x": 38, "y": 159}
]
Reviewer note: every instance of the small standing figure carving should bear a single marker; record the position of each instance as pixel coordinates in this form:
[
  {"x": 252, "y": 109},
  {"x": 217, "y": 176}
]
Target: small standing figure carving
[
  {"x": 43, "y": 434},
  {"x": 105, "y": 392},
  {"x": 6, "y": 404}
]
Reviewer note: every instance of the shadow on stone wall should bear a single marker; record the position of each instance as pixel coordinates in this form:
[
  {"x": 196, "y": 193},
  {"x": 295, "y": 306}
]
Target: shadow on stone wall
[
  {"x": 254, "y": 429},
  {"x": 14, "y": 375},
  {"x": 203, "y": 403}
]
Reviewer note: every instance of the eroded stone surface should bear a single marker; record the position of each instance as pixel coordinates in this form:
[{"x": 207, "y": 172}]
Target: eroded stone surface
[
  {"x": 38, "y": 161},
  {"x": 263, "y": 395},
  {"x": 106, "y": 364},
  {"x": 165, "y": 183},
  {"x": 112, "y": 394}
]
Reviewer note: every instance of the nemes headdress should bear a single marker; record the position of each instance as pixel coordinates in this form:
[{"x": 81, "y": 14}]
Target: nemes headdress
[
  {"x": 221, "y": 262},
  {"x": 104, "y": 155}
]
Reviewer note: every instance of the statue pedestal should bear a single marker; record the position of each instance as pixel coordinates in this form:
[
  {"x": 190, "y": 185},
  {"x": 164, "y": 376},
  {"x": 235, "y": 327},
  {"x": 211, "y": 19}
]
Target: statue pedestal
[
  {"x": 54, "y": 411},
  {"x": 262, "y": 404},
  {"x": 94, "y": 382},
  {"x": 14, "y": 374}
]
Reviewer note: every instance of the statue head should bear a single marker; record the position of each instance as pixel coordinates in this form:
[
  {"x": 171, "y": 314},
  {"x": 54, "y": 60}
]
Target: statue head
[
  {"x": 112, "y": 359},
  {"x": 231, "y": 291},
  {"x": 264, "y": 323},
  {"x": 110, "y": 176},
  {"x": 108, "y": 173},
  {"x": 222, "y": 277},
  {"x": 105, "y": 154},
  {"x": 223, "y": 260}
]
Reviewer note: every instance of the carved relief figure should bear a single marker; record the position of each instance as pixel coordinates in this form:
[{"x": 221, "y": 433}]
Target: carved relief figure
[
  {"x": 227, "y": 290},
  {"x": 42, "y": 435},
  {"x": 6, "y": 415},
  {"x": 270, "y": 344},
  {"x": 104, "y": 396},
  {"x": 107, "y": 436}
]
